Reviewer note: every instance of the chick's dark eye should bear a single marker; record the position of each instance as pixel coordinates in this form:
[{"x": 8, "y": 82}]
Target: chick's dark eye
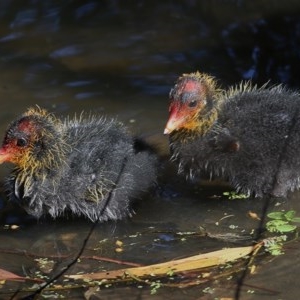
[
  {"x": 193, "y": 103},
  {"x": 21, "y": 142}
]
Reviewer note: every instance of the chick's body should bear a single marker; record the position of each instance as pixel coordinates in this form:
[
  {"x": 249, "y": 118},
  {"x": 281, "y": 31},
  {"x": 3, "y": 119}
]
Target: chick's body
[
  {"x": 251, "y": 137},
  {"x": 88, "y": 166}
]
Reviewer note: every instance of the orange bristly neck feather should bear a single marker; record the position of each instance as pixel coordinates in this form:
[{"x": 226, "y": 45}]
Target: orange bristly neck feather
[{"x": 197, "y": 126}]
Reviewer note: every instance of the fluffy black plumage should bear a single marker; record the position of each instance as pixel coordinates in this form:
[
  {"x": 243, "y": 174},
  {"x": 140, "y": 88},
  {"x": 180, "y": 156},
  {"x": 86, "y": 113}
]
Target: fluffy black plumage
[
  {"x": 75, "y": 165},
  {"x": 249, "y": 136}
]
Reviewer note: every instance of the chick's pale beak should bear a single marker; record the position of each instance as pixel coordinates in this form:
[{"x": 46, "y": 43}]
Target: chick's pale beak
[
  {"x": 4, "y": 156},
  {"x": 176, "y": 119},
  {"x": 172, "y": 124}
]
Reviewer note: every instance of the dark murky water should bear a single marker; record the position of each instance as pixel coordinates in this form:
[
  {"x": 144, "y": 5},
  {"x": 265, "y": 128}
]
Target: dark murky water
[{"x": 121, "y": 58}]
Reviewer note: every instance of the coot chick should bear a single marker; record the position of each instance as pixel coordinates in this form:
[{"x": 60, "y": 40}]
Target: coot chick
[
  {"x": 247, "y": 135},
  {"x": 87, "y": 165}
]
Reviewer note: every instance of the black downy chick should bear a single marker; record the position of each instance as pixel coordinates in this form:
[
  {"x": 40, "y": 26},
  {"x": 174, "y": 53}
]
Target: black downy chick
[
  {"x": 87, "y": 165},
  {"x": 247, "y": 135}
]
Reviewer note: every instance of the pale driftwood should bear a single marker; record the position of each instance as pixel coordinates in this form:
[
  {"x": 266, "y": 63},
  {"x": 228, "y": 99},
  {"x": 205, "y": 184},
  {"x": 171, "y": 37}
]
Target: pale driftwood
[{"x": 191, "y": 263}]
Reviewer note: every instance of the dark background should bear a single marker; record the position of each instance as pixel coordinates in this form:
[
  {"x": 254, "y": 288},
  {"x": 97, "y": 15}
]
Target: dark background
[{"x": 120, "y": 59}]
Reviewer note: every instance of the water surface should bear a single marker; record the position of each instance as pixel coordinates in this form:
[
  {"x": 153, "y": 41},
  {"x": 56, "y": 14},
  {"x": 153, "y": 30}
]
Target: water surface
[{"x": 120, "y": 59}]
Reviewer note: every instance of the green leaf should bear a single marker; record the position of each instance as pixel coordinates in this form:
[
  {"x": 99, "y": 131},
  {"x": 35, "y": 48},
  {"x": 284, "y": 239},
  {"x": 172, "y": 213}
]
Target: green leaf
[
  {"x": 234, "y": 195},
  {"x": 278, "y": 215},
  {"x": 286, "y": 228},
  {"x": 276, "y": 250},
  {"x": 277, "y": 222},
  {"x": 290, "y": 215},
  {"x": 273, "y": 225},
  {"x": 296, "y": 219}
]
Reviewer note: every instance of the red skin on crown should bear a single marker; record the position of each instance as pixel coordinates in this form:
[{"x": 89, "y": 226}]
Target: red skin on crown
[{"x": 181, "y": 114}]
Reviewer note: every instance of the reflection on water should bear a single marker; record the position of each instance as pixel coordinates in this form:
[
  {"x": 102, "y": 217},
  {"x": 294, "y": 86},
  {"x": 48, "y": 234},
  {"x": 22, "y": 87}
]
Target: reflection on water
[{"x": 120, "y": 59}]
